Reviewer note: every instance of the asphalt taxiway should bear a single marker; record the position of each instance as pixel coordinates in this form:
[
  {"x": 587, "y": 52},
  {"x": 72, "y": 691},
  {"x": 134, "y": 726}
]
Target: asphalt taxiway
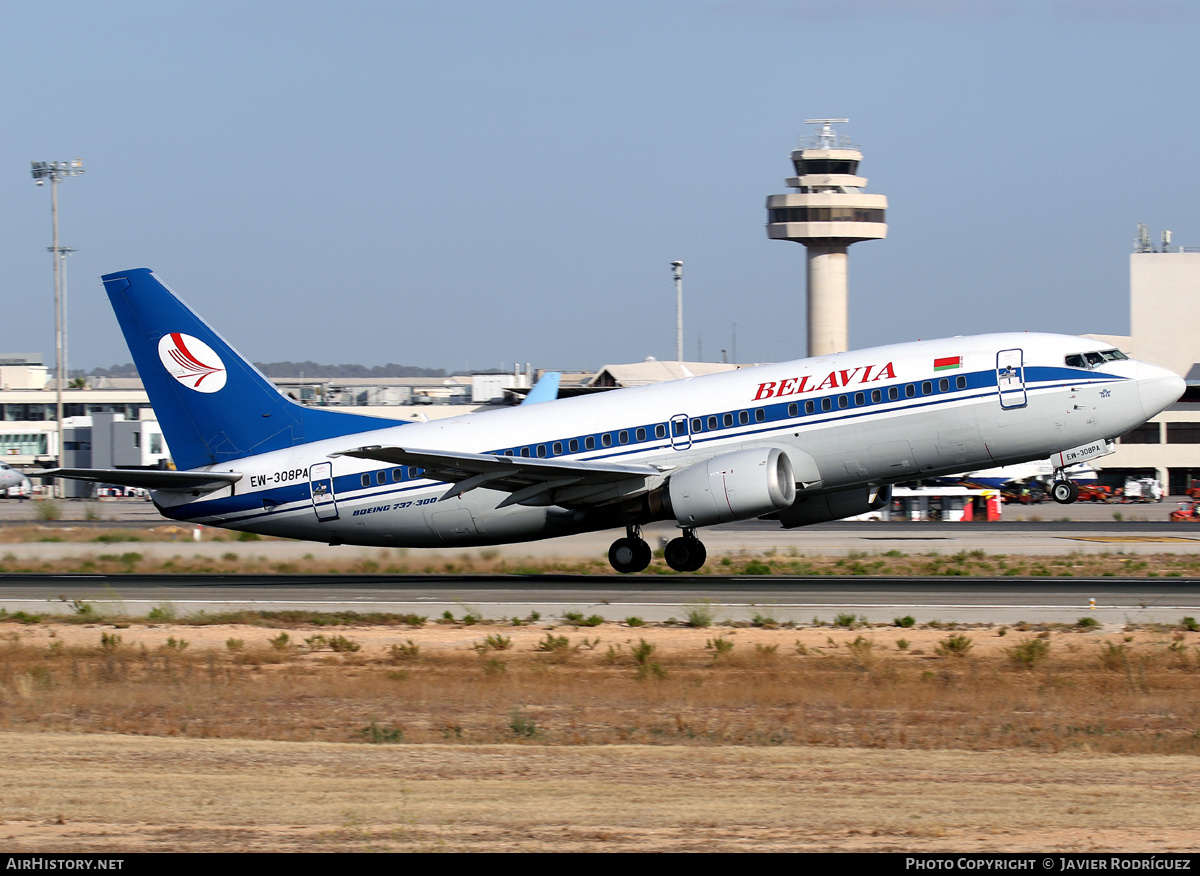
[
  {"x": 1091, "y": 529},
  {"x": 736, "y": 598}
]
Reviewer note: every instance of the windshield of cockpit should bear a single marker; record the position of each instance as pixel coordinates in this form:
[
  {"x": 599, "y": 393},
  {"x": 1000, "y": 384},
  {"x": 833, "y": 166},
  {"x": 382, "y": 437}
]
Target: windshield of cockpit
[{"x": 1094, "y": 359}]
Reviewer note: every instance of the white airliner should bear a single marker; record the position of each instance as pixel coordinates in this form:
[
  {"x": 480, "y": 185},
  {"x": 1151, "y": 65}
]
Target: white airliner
[
  {"x": 800, "y": 442},
  {"x": 11, "y": 477}
]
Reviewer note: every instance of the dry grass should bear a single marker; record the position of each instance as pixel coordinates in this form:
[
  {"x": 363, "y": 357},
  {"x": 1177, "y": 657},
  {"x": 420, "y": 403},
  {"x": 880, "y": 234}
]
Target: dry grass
[
  {"x": 132, "y": 736},
  {"x": 610, "y": 684},
  {"x": 118, "y": 552}
]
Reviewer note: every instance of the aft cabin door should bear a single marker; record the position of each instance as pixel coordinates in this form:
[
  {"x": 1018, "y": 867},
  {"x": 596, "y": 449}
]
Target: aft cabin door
[
  {"x": 1010, "y": 379},
  {"x": 320, "y": 479}
]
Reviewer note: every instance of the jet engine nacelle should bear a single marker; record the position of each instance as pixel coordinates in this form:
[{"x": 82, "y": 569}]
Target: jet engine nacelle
[
  {"x": 808, "y": 510},
  {"x": 733, "y": 486}
]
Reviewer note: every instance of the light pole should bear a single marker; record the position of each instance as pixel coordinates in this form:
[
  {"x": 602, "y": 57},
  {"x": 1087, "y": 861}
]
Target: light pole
[
  {"x": 63, "y": 252},
  {"x": 55, "y": 171},
  {"x": 677, "y": 269}
]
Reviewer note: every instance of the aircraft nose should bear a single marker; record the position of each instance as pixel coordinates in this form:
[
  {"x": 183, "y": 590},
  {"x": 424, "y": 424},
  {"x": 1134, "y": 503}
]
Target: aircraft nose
[{"x": 1158, "y": 387}]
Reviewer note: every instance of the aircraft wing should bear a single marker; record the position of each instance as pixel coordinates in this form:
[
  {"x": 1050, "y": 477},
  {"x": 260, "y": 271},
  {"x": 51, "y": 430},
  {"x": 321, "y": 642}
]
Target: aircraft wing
[
  {"x": 527, "y": 480},
  {"x": 147, "y": 479}
]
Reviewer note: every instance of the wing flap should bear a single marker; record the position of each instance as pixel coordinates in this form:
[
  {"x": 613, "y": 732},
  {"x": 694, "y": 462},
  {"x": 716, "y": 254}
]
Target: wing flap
[{"x": 527, "y": 480}]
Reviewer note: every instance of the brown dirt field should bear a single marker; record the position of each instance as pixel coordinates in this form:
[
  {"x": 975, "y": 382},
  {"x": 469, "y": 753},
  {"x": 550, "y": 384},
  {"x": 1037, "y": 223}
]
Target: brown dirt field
[
  {"x": 814, "y": 739},
  {"x": 100, "y": 793}
]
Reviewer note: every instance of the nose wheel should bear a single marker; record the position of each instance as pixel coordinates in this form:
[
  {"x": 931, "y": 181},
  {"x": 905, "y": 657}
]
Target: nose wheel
[
  {"x": 630, "y": 554},
  {"x": 1064, "y": 492},
  {"x": 686, "y": 553}
]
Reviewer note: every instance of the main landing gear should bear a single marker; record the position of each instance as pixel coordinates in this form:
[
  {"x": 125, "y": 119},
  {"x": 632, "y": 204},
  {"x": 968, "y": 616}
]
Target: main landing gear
[
  {"x": 686, "y": 553},
  {"x": 632, "y": 554},
  {"x": 1064, "y": 491}
]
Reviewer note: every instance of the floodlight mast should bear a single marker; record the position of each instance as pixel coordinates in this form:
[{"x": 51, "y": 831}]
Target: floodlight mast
[
  {"x": 677, "y": 270},
  {"x": 63, "y": 252},
  {"x": 55, "y": 171}
]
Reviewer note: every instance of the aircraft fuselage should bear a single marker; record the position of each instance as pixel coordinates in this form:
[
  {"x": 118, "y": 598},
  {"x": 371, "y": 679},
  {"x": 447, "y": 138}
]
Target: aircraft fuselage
[{"x": 847, "y": 422}]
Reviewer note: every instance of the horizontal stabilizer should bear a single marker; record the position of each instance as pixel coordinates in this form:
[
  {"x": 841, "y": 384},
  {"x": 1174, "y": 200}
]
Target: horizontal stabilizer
[{"x": 148, "y": 479}]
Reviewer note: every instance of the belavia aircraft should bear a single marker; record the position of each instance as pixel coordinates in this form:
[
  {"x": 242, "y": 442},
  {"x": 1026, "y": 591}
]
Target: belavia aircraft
[{"x": 799, "y": 442}]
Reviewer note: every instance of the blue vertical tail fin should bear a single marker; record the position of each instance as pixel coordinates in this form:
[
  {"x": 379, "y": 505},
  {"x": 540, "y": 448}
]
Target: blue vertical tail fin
[
  {"x": 546, "y": 389},
  {"x": 212, "y": 404}
]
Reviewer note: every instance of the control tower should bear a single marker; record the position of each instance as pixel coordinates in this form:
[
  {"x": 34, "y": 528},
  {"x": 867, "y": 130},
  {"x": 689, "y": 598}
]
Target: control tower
[{"x": 827, "y": 212}]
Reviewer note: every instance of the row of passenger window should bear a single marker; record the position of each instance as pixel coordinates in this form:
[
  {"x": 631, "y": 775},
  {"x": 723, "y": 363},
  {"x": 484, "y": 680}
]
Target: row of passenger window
[
  {"x": 698, "y": 424},
  {"x": 892, "y": 393},
  {"x": 858, "y": 399},
  {"x": 588, "y": 442},
  {"x": 397, "y": 474}
]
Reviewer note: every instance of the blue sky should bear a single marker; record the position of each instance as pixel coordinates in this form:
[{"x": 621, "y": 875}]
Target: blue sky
[{"x": 465, "y": 184}]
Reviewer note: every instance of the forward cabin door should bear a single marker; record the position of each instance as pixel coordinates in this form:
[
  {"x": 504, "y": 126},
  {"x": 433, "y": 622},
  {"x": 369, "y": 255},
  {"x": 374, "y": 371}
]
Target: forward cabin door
[
  {"x": 1010, "y": 379},
  {"x": 320, "y": 480}
]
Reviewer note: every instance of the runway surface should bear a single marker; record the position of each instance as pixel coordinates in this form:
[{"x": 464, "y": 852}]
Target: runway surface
[{"x": 740, "y": 598}]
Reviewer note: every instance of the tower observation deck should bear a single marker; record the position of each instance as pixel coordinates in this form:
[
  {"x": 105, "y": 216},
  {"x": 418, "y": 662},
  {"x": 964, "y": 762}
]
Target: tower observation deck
[{"x": 827, "y": 212}]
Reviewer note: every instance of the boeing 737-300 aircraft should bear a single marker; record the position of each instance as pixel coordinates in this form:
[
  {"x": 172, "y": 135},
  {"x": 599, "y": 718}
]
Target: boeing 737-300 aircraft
[{"x": 799, "y": 442}]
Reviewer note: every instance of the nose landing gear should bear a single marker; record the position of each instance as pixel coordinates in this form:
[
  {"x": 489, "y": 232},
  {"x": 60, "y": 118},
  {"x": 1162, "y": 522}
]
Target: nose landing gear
[{"x": 1064, "y": 492}]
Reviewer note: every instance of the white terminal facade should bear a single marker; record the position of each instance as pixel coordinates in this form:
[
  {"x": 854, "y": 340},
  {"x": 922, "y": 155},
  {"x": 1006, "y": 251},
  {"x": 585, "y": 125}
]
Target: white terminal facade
[
  {"x": 1164, "y": 323},
  {"x": 827, "y": 212}
]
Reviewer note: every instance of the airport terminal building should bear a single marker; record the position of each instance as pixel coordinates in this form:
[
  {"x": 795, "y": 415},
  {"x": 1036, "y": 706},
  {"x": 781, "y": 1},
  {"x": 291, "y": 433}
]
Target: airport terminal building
[
  {"x": 110, "y": 423},
  {"x": 1164, "y": 300}
]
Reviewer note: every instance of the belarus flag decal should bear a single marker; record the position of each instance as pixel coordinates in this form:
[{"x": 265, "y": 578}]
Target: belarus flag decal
[
  {"x": 192, "y": 362},
  {"x": 948, "y": 363}
]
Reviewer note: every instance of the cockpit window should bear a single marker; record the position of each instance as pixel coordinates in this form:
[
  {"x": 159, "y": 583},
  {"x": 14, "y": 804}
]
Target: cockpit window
[{"x": 1094, "y": 359}]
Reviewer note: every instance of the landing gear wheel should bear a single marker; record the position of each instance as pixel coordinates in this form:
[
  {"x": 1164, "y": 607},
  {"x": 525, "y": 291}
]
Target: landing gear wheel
[
  {"x": 1064, "y": 492},
  {"x": 629, "y": 555},
  {"x": 685, "y": 554}
]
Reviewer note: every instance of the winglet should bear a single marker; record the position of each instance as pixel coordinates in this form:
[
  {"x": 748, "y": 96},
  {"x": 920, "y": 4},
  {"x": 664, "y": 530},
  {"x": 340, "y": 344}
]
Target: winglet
[{"x": 546, "y": 389}]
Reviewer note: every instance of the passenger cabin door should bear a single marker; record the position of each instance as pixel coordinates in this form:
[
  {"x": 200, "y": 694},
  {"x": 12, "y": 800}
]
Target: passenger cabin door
[
  {"x": 681, "y": 434},
  {"x": 320, "y": 480},
  {"x": 1010, "y": 379}
]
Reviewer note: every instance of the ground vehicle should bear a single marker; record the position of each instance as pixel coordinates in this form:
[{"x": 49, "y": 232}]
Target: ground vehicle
[
  {"x": 1095, "y": 493},
  {"x": 1186, "y": 512},
  {"x": 1032, "y": 493},
  {"x": 1142, "y": 490}
]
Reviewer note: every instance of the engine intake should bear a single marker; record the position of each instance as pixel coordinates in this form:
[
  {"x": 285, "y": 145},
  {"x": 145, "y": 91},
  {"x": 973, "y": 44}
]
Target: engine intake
[{"x": 733, "y": 486}]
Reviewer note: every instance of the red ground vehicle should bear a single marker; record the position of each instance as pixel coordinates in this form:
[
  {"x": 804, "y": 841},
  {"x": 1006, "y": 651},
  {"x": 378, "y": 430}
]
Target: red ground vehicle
[
  {"x": 1186, "y": 512},
  {"x": 1095, "y": 493},
  {"x": 1023, "y": 494}
]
